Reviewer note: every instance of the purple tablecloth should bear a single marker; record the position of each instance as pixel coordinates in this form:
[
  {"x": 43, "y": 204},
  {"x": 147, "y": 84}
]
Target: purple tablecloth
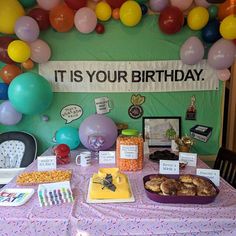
[{"x": 143, "y": 217}]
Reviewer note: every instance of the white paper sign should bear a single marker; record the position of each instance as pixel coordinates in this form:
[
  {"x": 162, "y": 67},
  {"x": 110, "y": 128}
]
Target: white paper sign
[
  {"x": 169, "y": 167},
  {"x": 107, "y": 157},
  {"x": 71, "y": 113},
  {"x": 47, "y": 163},
  {"x": 191, "y": 158},
  {"x": 128, "y": 76},
  {"x": 213, "y": 175}
]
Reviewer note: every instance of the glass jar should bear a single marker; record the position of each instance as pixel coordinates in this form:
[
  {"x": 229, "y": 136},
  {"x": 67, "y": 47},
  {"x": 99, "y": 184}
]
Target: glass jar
[{"x": 129, "y": 150}]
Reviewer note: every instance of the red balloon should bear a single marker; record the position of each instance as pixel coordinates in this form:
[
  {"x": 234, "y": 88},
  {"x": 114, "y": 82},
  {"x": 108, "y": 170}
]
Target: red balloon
[
  {"x": 227, "y": 8},
  {"x": 9, "y": 72},
  {"x": 115, "y": 3},
  {"x": 100, "y": 29},
  {"x": 62, "y": 18},
  {"x": 76, "y": 4},
  {"x": 41, "y": 16},
  {"x": 4, "y": 42},
  {"x": 234, "y": 41},
  {"x": 171, "y": 20}
]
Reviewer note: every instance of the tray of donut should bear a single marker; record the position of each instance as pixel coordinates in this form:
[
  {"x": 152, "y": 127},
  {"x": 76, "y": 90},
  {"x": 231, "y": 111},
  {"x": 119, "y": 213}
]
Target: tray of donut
[{"x": 186, "y": 189}]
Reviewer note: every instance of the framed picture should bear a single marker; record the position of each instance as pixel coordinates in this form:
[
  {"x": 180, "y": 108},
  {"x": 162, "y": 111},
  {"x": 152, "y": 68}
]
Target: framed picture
[{"x": 159, "y": 131}]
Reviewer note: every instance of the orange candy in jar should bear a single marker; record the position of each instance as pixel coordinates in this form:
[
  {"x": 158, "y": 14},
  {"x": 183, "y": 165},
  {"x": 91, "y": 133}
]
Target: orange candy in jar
[{"x": 129, "y": 150}]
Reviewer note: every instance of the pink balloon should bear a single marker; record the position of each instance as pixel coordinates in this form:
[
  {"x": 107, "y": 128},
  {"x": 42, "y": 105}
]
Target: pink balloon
[
  {"x": 181, "y": 4},
  {"x": 192, "y": 51},
  {"x": 158, "y": 5},
  {"x": 26, "y": 29},
  {"x": 85, "y": 20},
  {"x": 221, "y": 54},
  {"x": 202, "y": 3},
  {"x": 48, "y": 4},
  {"x": 8, "y": 114},
  {"x": 40, "y": 51},
  {"x": 223, "y": 75}
]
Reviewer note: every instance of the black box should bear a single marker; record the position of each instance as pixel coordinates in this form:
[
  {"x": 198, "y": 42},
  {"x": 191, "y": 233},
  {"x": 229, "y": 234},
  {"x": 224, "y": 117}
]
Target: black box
[{"x": 201, "y": 132}]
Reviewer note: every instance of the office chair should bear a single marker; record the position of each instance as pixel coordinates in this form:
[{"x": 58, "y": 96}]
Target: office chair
[
  {"x": 226, "y": 163},
  {"x": 18, "y": 149}
]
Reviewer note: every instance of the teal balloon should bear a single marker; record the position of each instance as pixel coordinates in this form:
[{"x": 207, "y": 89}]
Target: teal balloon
[
  {"x": 68, "y": 135},
  {"x": 28, "y": 3},
  {"x": 30, "y": 93}
]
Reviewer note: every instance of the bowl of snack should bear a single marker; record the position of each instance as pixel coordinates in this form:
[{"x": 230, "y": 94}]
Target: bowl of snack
[{"x": 185, "y": 189}]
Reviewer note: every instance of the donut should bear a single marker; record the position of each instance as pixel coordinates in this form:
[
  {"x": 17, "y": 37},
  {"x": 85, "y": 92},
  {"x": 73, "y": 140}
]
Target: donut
[
  {"x": 206, "y": 191},
  {"x": 186, "y": 178},
  {"x": 187, "y": 190},
  {"x": 153, "y": 185},
  {"x": 158, "y": 178},
  {"x": 200, "y": 182},
  {"x": 189, "y": 185},
  {"x": 169, "y": 187}
]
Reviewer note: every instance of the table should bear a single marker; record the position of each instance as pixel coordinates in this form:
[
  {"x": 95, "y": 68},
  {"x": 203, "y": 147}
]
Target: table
[{"x": 143, "y": 217}]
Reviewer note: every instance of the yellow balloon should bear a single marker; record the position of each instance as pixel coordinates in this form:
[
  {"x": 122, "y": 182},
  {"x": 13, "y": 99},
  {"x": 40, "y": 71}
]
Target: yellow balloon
[
  {"x": 18, "y": 51},
  {"x": 103, "y": 11},
  {"x": 10, "y": 11},
  {"x": 130, "y": 13},
  {"x": 228, "y": 27},
  {"x": 197, "y": 18}
]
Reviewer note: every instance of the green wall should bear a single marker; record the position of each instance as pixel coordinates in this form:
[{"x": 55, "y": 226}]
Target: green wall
[{"x": 118, "y": 43}]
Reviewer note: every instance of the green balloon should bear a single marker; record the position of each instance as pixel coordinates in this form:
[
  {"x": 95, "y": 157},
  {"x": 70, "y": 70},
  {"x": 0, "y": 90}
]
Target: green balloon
[
  {"x": 141, "y": 1},
  {"x": 212, "y": 10},
  {"x": 30, "y": 93},
  {"x": 28, "y": 3}
]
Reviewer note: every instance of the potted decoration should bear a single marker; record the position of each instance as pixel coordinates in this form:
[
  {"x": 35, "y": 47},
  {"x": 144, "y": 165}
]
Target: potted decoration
[
  {"x": 171, "y": 133},
  {"x": 184, "y": 143}
]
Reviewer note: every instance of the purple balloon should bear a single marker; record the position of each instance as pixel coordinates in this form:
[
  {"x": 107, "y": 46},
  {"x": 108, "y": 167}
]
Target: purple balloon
[
  {"x": 192, "y": 51},
  {"x": 158, "y": 5},
  {"x": 98, "y": 132},
  {"x": 221, "y": 54},
  {"x": 27, "y": 29},
  {"x": 8, "y": 114},
  {"x": 40, "y": 51}
]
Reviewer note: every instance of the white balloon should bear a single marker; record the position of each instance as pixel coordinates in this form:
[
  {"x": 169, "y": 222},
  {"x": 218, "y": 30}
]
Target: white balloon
[{"x": 192, "y": 51}]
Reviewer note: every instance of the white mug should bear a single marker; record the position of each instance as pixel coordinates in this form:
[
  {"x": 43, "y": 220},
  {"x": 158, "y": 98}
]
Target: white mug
[
  {"x": 103, "y": 105},
  {"x": 83, "y": 159}
]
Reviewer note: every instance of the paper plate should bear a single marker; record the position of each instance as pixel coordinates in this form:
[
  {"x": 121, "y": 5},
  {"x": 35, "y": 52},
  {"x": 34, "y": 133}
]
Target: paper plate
[{"x": 15, "y": 196}]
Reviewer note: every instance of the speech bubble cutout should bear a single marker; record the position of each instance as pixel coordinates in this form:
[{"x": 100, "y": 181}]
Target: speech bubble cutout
[{"x": 71, "y": 113}]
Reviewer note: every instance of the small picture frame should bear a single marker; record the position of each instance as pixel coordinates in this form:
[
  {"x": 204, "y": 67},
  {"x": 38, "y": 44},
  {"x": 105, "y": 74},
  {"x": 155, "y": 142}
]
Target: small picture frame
[{"x": 159, "y": 131}]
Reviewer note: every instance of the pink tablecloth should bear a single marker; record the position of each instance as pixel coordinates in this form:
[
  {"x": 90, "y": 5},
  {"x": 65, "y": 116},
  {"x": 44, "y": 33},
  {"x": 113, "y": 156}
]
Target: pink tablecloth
[{"x": 143, "y": 217}]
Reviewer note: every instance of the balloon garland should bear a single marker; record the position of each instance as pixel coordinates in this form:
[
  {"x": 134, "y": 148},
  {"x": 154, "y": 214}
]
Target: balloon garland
[{"x": 26, "y": 18}]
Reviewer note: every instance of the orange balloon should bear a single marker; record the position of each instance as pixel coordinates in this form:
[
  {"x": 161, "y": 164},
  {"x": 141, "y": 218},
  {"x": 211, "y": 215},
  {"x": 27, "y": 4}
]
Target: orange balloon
[
  {"x": 116, "y": 13},
  {"x": 227, "y": 8},
  {"x": 9, "y": 72},
  {"x": 61, "y": 18},
  {"x": 28, "y": 65}
]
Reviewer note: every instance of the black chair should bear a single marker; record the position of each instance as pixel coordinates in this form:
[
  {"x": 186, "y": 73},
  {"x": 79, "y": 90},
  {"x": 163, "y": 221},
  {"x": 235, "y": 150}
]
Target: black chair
[
  {"x": 226, "y": 163},
  {"x": 18, "y": 149}
]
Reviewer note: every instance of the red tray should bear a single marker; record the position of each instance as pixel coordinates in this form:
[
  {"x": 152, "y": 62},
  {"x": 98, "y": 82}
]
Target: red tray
[{"x": 178, "y": 199}]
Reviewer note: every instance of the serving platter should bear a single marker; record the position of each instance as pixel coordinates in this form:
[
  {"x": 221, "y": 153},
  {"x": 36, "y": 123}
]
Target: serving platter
[{"x": 154, "y": 196}]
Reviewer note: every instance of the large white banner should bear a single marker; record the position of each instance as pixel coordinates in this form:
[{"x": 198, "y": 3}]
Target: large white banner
[{"x": 128, "y": 76}]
